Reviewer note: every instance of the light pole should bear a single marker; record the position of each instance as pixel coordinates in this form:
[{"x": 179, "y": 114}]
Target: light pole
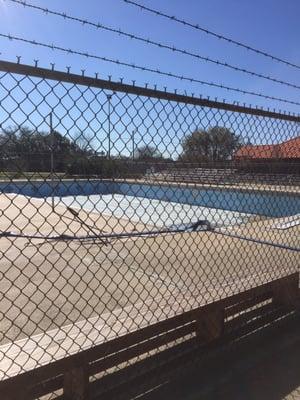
[
  {"x": 51, "y": 157},
  {"x": 133, "y": 146},
  {"x": 109, "y": 96}
]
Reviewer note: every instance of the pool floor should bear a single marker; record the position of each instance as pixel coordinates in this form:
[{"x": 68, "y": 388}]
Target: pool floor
[{"x": 151, "y": 211}]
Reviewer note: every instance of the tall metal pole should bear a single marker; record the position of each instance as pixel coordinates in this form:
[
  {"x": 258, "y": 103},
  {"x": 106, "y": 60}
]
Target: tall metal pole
[
  {"x": 133, "y": 148},
  {"x": 109, "y": 96},
  {"x": 52, "y": 158}
]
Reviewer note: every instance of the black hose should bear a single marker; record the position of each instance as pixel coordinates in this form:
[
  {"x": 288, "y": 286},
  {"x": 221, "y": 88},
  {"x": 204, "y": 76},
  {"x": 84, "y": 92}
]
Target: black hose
[
  {"x": 205, "y": 226},
  {"x": 83, "y": 223},
  {"x": 193, "y": 227}
]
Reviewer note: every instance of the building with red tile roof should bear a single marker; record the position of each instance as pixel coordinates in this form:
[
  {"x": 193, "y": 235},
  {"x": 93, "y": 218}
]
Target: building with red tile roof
[{"x": 289, "y": 149}]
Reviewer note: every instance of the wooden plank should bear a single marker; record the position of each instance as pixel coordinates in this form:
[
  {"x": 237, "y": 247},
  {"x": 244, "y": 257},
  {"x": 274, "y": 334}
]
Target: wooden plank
[
  {"x": 260, "y": 322},
  {"x": 251, "y": 302},
  {"x": 141, "y": 367},
  {"x": 141, "y": 348},
  {"x": 46, "y": 387},
  {"x": 257, "y": 291},
  {"x": 246, "y": 317},
  {"x": 115, "y": 359}
]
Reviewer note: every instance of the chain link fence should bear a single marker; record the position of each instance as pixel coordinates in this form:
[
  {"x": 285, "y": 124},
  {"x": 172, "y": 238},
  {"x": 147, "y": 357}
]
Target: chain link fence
[{"x": 122, "y": 207}]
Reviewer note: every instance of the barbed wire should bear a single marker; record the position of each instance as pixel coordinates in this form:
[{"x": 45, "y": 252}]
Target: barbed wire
[
  {"x": 214, "y": 34},
  {"x": 158, "y": 44},
  {"x": 146, "y": 69}
]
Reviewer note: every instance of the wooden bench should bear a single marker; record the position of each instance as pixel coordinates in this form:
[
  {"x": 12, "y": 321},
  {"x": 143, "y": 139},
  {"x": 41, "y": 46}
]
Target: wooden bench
[{"x": 142, "y": 349}]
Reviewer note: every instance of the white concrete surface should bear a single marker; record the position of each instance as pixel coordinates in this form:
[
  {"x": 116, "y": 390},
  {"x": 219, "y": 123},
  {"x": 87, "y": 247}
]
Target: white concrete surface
[{"x": 152, "y": 211}]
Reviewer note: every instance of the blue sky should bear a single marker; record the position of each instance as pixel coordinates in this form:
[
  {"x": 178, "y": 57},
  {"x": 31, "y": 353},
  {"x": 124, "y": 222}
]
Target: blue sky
[
  {"x": 266, "y": 24},
  {"x": 269, "y": 25}
]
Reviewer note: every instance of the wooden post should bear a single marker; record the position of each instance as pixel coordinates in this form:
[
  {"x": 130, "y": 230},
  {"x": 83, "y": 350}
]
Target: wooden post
[
  {"x": 210, "y": 325},
  {"x": 286, "y": 292},
  {"x": 76, "y": 383}
]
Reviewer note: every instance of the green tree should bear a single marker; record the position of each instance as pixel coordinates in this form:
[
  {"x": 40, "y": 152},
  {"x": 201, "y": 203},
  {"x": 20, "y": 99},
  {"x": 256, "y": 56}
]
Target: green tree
[
  {"x": 29, "y": 150},
  {"x": 85, "y": 142},
  {"x": 147, "y": 153},
  {"x": 215, "y": 144}
]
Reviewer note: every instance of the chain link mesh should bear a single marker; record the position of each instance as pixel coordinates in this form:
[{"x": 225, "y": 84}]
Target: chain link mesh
[{"x": 119, "y": 210}]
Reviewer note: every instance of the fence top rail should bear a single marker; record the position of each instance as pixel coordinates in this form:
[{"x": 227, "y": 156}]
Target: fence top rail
[{"x": 52, "y": 74}]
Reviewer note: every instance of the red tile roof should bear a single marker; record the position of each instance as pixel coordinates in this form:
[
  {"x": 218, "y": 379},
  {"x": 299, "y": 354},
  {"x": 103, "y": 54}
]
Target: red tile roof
[
  {"x": 288, "y": 149},
  {"x": 260, "y": 151}
]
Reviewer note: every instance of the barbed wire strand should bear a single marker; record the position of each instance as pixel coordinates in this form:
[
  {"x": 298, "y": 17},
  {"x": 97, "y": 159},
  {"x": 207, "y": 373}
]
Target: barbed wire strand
[
  {"x": 211, "y": 33},
  {"x": 146, "y": 69},
  {"x": 158, "y": 44}
]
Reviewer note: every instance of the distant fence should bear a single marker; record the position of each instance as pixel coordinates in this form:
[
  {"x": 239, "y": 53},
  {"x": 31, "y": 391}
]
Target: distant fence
[{"x": 114, "y": 218}]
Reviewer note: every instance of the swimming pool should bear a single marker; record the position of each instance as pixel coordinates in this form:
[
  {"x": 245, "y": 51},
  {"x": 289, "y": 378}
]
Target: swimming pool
[{"x": 161, "y": 204}]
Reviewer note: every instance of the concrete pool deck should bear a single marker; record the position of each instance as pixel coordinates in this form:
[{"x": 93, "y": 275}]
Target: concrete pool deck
[{"x": 50, "y": 284}]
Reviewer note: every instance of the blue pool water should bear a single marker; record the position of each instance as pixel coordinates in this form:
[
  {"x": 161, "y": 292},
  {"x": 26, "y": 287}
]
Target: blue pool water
[{"x": 251, "y": 202}]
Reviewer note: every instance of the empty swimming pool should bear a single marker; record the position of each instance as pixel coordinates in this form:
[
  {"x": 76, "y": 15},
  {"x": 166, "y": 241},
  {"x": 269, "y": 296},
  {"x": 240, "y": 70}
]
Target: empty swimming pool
[{"x": 161, "y": 204}]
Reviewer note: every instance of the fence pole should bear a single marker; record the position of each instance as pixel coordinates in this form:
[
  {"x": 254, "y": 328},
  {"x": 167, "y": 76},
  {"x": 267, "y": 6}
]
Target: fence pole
[
  {"x": 133, "y": 146},
  {"x": 52, "y": 158},
  {"x": 109, "y": 96}
]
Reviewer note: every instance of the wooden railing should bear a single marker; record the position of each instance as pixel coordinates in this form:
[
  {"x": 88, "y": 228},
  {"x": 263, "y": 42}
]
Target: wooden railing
[{"x": 143, "y": 356}]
